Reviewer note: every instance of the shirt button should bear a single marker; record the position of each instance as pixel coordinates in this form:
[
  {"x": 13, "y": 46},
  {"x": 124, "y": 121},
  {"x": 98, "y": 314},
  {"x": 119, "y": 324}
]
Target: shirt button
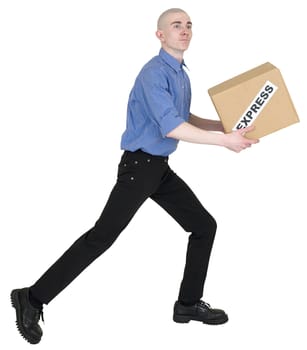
[
  {"x": 125, "y": 164},
  {"x": 131, "y": 178},
  {"x": 135, "y": 162},
  {"x": 148, "y": 160}
]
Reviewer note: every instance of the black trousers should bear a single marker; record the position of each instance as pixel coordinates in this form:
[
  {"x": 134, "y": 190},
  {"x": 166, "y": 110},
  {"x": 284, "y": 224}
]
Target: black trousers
[{"x": 140, "y": 176}]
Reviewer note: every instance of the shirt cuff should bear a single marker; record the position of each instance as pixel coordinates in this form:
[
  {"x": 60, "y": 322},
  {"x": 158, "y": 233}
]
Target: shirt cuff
[{"x": 169, "y": 124}]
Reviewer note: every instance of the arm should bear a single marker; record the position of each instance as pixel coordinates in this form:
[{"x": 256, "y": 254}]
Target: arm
[
  {"x": 234, "y": 141},
  {"x": 206, "y": 124}
]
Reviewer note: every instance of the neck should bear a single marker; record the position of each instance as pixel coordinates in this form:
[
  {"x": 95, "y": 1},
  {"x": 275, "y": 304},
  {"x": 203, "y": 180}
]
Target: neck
[{"x": 176, "y": 54}]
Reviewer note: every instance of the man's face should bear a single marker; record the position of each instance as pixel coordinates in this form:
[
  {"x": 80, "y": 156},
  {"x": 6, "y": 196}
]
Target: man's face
[{"x": 175, "y": 33}]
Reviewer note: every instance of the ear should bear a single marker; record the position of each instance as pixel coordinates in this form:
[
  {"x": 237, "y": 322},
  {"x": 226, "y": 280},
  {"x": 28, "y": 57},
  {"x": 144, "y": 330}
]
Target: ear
[{"x": 160, "y": 35}]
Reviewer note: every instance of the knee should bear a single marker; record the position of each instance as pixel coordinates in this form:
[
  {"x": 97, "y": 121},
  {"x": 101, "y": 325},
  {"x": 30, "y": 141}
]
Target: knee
[
  {"x": 207, "y": 228},
  {"x": 211, "y": 227}
]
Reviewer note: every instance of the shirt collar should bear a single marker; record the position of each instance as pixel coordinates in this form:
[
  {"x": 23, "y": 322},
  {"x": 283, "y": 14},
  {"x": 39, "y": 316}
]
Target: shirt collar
[{"x": 171, "y": 61}]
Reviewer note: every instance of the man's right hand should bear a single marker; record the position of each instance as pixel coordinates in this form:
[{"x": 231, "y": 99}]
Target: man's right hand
[{"x": 236, "y": 140}]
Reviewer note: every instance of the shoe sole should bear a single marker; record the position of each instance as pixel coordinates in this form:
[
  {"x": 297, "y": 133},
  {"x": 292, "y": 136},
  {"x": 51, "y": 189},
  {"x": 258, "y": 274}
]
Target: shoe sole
[
  {"x": 187, "y": 319},
  {"x": 16, "y": 305}
]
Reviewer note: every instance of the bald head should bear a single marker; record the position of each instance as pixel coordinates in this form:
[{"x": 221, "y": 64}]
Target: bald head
[{"x": 162, "y": 20}]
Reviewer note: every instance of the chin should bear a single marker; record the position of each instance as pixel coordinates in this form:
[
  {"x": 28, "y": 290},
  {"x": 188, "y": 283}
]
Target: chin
[
  {"x": 185, "y": 44},
  {"x": 184, "y": 47}
]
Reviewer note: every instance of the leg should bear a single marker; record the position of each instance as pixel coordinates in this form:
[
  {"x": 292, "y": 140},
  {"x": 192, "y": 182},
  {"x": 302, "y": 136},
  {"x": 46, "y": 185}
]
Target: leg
[
  {"x": 139, "y": 174},
  {"x": 181, "y": 203},
  {"x": 130, "y": 191}
]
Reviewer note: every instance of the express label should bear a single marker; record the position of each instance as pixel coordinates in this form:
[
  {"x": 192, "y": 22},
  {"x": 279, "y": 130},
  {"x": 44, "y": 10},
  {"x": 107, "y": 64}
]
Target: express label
[{"x": 256, "y": 106}]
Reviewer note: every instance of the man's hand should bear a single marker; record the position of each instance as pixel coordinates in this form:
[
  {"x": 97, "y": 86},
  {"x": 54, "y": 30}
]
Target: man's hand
[{"x": 236, "y": 140}]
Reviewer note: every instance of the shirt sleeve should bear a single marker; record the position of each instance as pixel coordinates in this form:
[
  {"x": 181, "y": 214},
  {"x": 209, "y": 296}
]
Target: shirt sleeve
[{"x": 158, "y": 101}]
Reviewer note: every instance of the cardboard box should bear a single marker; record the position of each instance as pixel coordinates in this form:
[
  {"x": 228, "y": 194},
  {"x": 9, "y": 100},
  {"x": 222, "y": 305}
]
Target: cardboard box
[{"x": 257, "y": 97}]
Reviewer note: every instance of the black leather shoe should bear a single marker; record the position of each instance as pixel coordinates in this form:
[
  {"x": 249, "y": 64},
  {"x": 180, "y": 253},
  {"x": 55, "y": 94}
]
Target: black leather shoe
[
  {"x": 27, "y": 317},
  {"x": 200, "y": 311}
]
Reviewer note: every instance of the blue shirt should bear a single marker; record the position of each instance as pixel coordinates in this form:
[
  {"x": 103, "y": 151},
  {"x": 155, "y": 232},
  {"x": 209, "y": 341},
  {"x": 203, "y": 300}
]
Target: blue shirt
[{"x": 158, "y": 102}]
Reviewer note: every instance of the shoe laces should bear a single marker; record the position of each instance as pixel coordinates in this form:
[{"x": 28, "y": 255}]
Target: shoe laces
[
  {"x": 39, "y": 315},
  {"x": 202, "y": 303}
]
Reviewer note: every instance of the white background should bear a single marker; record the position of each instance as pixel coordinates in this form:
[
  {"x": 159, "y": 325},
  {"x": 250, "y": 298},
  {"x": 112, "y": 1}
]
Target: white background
[{"x": 66, "y": 69}]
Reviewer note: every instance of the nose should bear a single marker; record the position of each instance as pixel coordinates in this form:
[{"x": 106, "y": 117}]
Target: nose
[{"x": 185, "y": 31}]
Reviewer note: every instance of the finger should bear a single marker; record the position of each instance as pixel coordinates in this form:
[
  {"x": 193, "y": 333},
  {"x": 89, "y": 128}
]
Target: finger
[
  {"x": 253, "y": 141},
  {"x": 248, "y": 129}
]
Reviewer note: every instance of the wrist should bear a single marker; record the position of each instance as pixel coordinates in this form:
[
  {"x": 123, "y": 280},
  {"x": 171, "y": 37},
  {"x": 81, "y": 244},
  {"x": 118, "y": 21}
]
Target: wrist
[
  {"x": 216, "y": 139},
  {"x": 222, "y": 140}
]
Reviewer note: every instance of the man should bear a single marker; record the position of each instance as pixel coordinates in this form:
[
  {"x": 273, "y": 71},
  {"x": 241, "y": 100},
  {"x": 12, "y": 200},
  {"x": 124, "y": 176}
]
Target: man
[{"x": 158, "y": 116}]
